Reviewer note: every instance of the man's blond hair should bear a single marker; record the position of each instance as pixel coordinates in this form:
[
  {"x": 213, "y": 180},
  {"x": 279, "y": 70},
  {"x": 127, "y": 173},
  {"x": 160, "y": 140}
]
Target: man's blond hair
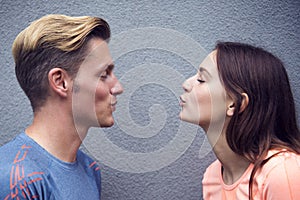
[{"x": 53, "y": 41}]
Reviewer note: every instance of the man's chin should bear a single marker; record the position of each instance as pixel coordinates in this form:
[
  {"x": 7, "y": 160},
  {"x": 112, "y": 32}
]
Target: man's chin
[{"x": 107, "y": 123}]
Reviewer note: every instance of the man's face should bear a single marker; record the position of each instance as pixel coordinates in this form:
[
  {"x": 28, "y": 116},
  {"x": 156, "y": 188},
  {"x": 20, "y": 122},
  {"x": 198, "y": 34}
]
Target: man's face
[{"x": 95, "y": 88}]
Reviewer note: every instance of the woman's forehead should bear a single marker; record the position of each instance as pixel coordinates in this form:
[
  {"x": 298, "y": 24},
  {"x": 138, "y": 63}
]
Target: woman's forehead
[{"x": 209, "y": 63}]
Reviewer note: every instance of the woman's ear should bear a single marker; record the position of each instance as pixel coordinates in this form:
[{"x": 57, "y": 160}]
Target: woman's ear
[
  {"x": 244, "y": 104},
  {"x": 230, "y": 109},
  {"x": 59, "y": 81}
]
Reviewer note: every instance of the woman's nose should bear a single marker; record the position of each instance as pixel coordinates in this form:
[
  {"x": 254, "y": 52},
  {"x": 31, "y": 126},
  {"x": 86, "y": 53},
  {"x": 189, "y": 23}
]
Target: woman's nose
[{"x": 187, "y": 85}]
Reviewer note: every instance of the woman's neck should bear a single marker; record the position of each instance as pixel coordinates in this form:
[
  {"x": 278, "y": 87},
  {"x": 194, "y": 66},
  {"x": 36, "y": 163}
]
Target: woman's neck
[{"x": 233, "y": 164}]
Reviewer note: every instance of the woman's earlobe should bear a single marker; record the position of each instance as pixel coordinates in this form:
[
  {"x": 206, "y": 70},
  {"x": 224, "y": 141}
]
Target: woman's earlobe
[
  {"x": 230, "y": 110},
  {"x": 244, "y": 104}
]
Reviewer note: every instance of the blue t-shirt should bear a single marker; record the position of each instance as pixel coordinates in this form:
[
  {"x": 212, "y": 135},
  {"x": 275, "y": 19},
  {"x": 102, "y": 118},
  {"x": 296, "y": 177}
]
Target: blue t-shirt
[{"x": 27, "y": 171}]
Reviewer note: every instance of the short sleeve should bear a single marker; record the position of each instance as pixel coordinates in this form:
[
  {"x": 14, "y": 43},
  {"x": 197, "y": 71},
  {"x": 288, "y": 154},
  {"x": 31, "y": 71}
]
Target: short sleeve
[{"x": 283, "y": 179}]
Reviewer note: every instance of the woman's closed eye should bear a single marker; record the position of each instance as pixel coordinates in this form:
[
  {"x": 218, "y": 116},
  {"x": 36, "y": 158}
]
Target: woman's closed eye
[{"x": 200, "y": 80}]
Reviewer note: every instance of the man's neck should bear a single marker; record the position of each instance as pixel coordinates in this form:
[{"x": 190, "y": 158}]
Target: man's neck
[{"x": 57, "y": 134}]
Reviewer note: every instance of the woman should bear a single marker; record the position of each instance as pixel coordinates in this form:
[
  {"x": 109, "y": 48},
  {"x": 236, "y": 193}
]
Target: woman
[{"x": 242, "y": 98}]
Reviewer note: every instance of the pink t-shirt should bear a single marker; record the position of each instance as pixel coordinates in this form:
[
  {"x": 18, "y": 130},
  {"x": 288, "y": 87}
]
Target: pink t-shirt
[{"x": 279, "y": 179}]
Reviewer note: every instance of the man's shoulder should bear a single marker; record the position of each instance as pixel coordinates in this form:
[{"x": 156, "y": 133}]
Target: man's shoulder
[
  {"x": 9, "y": 144},
  {"x": 22, "y": 170},
  {"x": 9, "y": 152},
  {"x": 20, "y": 154},
  {"x": 90, "y": 164}
]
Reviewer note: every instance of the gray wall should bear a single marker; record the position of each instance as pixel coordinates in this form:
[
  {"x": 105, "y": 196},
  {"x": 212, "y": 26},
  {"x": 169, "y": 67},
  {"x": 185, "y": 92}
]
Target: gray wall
[{"x": 149, "y": 153}]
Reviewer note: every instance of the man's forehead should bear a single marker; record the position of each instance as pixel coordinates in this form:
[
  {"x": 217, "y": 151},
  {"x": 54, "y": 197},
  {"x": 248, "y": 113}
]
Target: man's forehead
[
  {"x": 98, "y": 47},
  {"x": 98, "y": 60},
  {"x": 99, "y": 53}
]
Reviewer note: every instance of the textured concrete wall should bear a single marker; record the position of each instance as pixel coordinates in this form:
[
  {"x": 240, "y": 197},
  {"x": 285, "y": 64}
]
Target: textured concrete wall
[{"x": 149, "y": 153}]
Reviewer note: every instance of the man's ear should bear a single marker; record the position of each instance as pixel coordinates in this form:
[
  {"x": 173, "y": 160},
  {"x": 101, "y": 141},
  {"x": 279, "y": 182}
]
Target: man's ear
[
  {"x": 59, "y": 81},
  {"x": 244, "y": 104}
]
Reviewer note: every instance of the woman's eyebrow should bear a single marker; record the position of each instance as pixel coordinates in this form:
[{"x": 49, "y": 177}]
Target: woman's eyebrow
[{"x": 201, "y": 69}]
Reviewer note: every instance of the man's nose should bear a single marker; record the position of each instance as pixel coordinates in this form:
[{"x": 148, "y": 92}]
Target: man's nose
[{"x": 117, "y": 88}]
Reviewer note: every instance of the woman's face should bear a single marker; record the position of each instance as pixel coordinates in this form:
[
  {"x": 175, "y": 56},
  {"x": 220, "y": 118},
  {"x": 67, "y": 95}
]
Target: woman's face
[{"x": 204, "y": 99}]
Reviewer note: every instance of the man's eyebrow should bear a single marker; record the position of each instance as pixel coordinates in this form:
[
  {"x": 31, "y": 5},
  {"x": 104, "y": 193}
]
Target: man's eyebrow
[
  {"x": 106, "y": 67},
  {"x": 110, "y": 67},
  {"x": 201, "y": 69}
]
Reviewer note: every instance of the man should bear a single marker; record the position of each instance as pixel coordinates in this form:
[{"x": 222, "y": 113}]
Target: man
[{"x": 64, "y": 67}]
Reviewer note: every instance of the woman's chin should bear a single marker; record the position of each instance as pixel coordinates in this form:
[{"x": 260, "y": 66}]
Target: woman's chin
[{"x": 182, "y": 117}]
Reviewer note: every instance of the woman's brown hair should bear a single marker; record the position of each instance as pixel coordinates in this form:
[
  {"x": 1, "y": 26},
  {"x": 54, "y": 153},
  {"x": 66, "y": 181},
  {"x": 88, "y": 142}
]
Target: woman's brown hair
[{"x": 269, "y": 120}]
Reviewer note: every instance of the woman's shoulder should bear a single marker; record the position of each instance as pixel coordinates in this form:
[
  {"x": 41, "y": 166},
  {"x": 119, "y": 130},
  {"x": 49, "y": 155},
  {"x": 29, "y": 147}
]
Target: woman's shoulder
[
  {"x": 280, "y": 175},
  {"x": 214, "y": 166},
  {"x": 281, "y": 159},
  {"x": 213, "y": 170},
  {"x": 281, "y": 166},
  {"x": 212, "y": 177}
]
